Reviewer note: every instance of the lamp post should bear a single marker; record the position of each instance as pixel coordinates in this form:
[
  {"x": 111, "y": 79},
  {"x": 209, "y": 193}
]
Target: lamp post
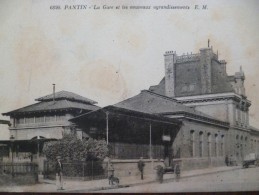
[{"x": 12, "y": 141}]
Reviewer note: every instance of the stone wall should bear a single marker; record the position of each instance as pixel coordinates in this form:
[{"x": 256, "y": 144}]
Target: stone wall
[
  {"x": 238, "y": 143},
  {"x": 125, "y": 168},
  {"x": 198, "y": 139},
  {"x": 216, "y": 109},
  {"x": 187, "y": 79},
  {"x": 200, "y": 163}
]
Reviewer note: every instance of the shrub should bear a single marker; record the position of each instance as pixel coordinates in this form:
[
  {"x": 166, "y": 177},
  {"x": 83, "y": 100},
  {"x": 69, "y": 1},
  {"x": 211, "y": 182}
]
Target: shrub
[{"x": 71, "y": 148}]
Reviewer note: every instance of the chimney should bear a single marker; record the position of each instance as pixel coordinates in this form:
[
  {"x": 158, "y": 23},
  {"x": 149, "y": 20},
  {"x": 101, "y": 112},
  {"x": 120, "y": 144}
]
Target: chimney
[
  {"x": 206, "y": 55},
  {"x": 170, "y": 60},
  {"x": 53, "y": 93}
]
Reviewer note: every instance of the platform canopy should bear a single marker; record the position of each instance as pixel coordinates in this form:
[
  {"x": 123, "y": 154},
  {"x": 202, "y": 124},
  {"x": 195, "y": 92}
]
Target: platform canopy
[{"x": 101, "y": 114}]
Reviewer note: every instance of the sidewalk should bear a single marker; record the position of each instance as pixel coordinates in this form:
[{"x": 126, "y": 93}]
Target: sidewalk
[{"x": 97, "y": 185}]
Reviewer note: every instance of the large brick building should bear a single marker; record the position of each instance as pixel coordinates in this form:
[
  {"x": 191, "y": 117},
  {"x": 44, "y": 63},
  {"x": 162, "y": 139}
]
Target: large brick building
[{"x": 200, "y": 81}]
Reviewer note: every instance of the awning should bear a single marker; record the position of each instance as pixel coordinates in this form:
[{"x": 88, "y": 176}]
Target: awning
[{"x": 100, "y": 114}]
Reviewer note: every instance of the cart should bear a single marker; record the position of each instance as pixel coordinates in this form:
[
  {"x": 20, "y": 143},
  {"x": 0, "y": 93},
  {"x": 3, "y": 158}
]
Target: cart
[{"x": 250, "y": 159}]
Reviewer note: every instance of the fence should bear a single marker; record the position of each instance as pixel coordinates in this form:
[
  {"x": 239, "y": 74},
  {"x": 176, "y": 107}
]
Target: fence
[
  {"x": 18, "y": 168},
  {"x": 87, "y": 170}
]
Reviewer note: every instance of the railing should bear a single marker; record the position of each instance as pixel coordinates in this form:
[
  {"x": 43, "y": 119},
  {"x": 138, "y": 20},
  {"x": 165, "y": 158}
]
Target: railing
[
  {"x": 18, "y": 168},
  {"x": 86, "y": 170}
]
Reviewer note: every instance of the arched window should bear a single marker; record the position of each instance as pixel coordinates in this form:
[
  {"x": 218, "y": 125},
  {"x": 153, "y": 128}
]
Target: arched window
[
  {"x": 209, "y": 144},
  {"x": 192, "y": 143},
  {"x": 222, "y": 150},
  {"x": 216, "y": 145},
  {"x": 201, "y": 144},
  {"x": 241, "y": 147}
]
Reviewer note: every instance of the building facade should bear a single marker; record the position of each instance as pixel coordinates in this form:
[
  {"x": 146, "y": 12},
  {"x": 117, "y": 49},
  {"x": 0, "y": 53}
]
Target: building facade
[
  {"x": 197, "y": 114},
  {"x": 46, "y": 120},
  {"x": 200, "y": 81}
]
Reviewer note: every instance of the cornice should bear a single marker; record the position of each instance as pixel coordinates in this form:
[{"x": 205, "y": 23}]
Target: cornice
[
  {"x": 212, "y": 97},
  {"x": 199, "y": 118}
]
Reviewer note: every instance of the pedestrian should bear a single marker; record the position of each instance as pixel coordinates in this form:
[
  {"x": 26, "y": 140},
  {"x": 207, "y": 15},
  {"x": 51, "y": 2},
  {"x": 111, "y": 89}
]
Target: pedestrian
[
  {"x": 110, "y": 172},
  {"x": 141, "y": 165},
  {"x": 227, "y": 160},
  {"x": 159, "y": 173},
  {"x": 59, "y": 174},
  {"x": 177, "y": 171}
]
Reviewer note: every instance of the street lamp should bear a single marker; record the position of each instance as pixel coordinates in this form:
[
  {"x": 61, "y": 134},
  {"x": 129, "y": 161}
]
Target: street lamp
[{"x": 12, "y": 141}]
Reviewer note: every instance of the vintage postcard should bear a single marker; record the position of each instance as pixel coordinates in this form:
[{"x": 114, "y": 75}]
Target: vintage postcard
[{"x": 129, "y": 96}]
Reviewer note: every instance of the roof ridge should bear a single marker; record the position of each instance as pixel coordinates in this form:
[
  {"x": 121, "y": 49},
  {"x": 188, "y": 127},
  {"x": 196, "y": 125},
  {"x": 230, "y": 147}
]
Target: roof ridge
[
  {"x": 50, "y": 105},
  {"x": 67, "y": 95},
  {"x": 159, "y": 95}
]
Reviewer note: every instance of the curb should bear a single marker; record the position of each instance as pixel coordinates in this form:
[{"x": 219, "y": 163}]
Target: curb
[
  {"x": 208, "y": 173},
  {"x": 149, "y": 182}
]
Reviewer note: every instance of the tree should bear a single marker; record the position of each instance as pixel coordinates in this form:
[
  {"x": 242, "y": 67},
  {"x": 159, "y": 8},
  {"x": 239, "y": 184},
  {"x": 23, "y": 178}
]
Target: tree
[{"x": 71, "y": 148}]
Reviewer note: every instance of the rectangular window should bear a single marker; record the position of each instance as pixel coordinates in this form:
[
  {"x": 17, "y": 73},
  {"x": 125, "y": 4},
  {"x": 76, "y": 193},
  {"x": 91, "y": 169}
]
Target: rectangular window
[
  {"x": 47, "y": 119},
  {"x": 29, "y": 120},
  {"x": 39, "y": 119},
  {"x": 20, "y": 120},
  {"x": 60, "y": 117}
]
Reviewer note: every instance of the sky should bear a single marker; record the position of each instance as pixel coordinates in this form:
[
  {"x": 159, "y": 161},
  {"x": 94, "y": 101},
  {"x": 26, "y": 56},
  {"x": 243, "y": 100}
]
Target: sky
[{"x": 109, "y": 55}]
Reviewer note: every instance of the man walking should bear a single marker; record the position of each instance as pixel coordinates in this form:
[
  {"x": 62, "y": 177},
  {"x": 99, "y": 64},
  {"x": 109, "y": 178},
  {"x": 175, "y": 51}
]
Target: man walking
[
  {"x": 177, "y": 171},
  {"x": 141, "y": 165},
  {"x": 59, "y": 174}
]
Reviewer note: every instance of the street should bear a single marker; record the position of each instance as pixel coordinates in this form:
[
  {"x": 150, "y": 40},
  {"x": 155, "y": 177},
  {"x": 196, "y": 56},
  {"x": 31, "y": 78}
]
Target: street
[{"x": 236, "y": 180}]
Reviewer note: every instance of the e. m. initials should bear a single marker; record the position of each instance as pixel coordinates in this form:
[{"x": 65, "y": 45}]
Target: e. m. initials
[{"x": 202, "y": 7}]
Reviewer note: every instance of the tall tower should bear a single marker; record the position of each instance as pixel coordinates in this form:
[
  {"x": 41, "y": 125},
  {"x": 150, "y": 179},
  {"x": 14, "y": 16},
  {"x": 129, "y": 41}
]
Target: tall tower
[{"x": 170, "y": 59}]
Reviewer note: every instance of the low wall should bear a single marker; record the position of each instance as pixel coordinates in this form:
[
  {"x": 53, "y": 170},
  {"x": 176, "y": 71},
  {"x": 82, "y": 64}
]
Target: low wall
[
  {"x": 125, "y": 168},
  {"x": 200, "y": 163}
]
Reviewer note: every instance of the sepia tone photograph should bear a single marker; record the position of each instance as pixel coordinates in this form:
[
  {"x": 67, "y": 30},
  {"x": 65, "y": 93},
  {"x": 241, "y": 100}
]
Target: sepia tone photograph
[{"x": 129, "y": 96}]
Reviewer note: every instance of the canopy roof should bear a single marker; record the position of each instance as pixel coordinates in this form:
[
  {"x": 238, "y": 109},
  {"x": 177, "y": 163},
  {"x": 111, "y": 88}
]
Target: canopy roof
[
  {"x": 101, "y": 115},
  {"x": 152, "y": 106}
]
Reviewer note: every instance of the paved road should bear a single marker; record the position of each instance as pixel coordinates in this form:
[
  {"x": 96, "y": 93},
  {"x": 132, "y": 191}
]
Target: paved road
[{"x": 236, "y": 180}]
